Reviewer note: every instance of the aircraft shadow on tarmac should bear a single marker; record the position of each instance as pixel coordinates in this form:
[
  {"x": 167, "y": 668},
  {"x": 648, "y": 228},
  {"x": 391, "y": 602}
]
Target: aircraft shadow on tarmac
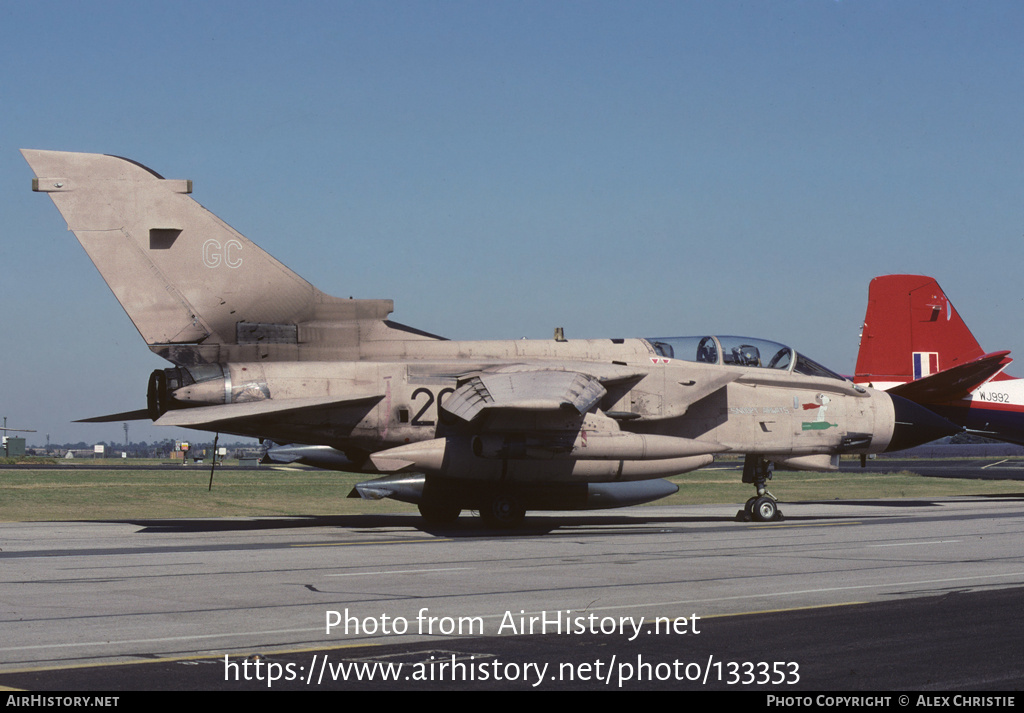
[
  {"x": 531, "y": 526},
  {"x": 464, "y": 527}
]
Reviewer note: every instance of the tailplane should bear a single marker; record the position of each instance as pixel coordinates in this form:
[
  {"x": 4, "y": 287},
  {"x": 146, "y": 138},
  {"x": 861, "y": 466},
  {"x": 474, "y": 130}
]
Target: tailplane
[
  {"x": 956, "y": 382},
  {"x": 196, "y": 289}
]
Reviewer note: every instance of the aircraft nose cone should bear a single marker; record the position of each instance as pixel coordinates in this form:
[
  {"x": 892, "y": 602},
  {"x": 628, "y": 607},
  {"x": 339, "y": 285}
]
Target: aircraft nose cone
[{"x": 916, "y": 425}]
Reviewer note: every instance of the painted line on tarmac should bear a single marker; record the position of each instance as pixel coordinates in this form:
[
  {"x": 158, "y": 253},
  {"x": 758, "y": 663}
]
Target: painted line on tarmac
[
  {"x": 911, "y": 544},
  {"x": 809, "y": 524},
  {"x": 398, "y": 571},
  {"x": 157, "y": 640},
  {"x": 175, "y": 659},
  {"x": 373, "y": 542}
]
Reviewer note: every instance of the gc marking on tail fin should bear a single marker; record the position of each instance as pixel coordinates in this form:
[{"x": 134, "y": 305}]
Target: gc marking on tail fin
[{"x": 229, "y": 254}]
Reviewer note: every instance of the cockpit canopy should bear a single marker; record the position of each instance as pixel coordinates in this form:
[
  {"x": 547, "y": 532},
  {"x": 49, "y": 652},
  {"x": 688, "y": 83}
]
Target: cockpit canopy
[{"x": 740, "y": 351}]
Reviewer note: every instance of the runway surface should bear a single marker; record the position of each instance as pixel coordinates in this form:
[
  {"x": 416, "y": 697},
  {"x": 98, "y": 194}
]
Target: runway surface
[
  {"x": 971, "y": 468},
  {"x": 919, "y": 594}
]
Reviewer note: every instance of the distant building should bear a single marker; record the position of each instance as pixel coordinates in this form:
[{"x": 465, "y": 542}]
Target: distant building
[{"x": 14, "y": 447}]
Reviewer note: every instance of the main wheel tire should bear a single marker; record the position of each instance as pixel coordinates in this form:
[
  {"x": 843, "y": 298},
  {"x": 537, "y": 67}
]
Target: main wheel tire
[{"x": 502, "y": 511}]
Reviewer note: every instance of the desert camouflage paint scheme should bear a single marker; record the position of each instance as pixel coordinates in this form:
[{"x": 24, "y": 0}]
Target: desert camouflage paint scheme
[{"x": 495, "y": 426}]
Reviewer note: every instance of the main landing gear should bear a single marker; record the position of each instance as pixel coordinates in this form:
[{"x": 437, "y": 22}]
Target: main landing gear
[
  {"x": 502, "y": 510},
  {"x": 499, "y": 510},
  {"x": 763, "y": 507}
]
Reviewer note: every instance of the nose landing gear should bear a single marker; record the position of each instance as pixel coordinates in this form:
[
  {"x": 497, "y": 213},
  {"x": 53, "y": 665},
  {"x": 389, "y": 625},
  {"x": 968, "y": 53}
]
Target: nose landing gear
[{"x": 763, "y": 507}]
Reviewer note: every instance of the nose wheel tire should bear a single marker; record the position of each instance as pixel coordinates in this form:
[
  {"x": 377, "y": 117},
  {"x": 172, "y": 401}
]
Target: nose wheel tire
[
  {"x": 761, "y": 508},
  {"x": 764, "y": 509}
]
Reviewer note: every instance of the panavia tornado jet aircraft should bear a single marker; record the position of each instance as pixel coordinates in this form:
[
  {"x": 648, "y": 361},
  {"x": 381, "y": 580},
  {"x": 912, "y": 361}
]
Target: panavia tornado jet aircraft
[{"x": 494, "y": 426}]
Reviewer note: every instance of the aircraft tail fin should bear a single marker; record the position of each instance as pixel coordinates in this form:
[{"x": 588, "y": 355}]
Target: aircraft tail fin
[
  {"x": 196, "y": 289},
  {"x": 911, "y": 330}
]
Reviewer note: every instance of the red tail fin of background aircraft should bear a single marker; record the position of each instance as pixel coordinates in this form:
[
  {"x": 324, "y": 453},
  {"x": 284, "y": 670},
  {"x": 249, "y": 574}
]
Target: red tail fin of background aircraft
[
  {"x": 911, "y": 330},
  {"x": 912, "y": 333}
]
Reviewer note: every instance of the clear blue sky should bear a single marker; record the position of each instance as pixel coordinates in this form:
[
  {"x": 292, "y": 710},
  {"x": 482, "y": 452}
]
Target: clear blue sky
[{"x": 503, "y": 168}]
